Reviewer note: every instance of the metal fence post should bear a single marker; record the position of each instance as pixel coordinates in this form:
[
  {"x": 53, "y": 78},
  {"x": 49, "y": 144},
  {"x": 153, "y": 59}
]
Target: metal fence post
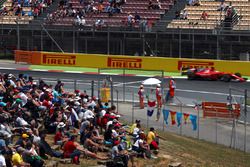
[
  {"x": 98, "y": 85},
  {"x": 112, "y": 90},
  {"x": 245, "y": 121},
  {"x": 92, "y": 88},
  {"x": 75, "y": 82},
  {"x": 181, "y": 121},
  {"x": 163, "y": 123},
  {"x": 124, "y": 87},
  {"x": 133, "y": 105},
  {"x": 117, "y": 104},
  {"x": 198, "y": 128},
  {"x": 216, "y": 126}
]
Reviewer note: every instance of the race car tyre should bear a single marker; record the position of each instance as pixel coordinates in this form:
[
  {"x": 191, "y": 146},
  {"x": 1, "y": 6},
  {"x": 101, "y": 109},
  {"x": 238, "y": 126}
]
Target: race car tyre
[
  {"x": 238, "y": 74},
  {"x": 226, "y": 78}
]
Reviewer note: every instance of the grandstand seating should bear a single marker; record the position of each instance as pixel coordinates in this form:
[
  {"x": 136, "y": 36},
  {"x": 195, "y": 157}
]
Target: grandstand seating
[
  {"x": 117, "y": 19},
  {"x": 9, "y": 14},
  {"x": 215, "y": 17}
]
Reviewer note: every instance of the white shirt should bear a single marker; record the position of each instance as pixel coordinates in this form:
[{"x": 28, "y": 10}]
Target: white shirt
[
  {"x": 136, "y": 131},
  {"x": 24, "y": 98},
  {"x": 114, "y": 133},
  {"x": 88, "y": 114},
  {"x": 74, "y": 112},
  {"x": 103, "y": 112},
  {"x": 137, "y": 143},
  {"x": 2, "y": 161},
  {"x": 21, "y": 121},
  {"x": 109, "y": 123},
  {"x": 12, "y": 83}
]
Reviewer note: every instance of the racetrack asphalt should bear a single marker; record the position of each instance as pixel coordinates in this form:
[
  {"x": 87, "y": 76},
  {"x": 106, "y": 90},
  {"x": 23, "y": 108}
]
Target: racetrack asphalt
[{"x": 187, "y": 93}]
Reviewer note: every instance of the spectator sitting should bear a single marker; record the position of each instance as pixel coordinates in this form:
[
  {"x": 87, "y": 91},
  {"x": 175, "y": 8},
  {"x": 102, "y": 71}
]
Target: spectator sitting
[
  {"x": 83, "y": 21},
  {"x": 17, "y": 158},
  {"x": 177, "y": 15},
  {"x": 77, "y": 20},
  {"x": 184, "y": 15},
  {"x": 152, "y": 139},
  {"x": 73, "y": 150},
  {"x": 204, "y": 15},
  {"x": 222, "y": 6},
  {"x": 140, "y": 146},
  {"x": 150, "y": 4},
  {"x": 134, "y": 126},
  {"x": 158, "y": 4},
  {"x": 100, "y": 8},
  {"x": 196, "y": 3},
  {"x": 45, "y": 149},
  {"x": 130, "y": 19}
]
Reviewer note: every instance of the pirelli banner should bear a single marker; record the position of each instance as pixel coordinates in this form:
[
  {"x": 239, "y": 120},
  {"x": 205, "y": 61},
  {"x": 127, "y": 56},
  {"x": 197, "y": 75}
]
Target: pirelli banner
[{"x": 129, "y": 62}]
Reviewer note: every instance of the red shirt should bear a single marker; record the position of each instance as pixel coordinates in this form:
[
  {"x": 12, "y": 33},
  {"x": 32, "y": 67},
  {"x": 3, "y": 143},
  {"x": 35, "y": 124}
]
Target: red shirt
[
  {"x": 58, "y": 137},
  {"x": 69, "y": 148}
]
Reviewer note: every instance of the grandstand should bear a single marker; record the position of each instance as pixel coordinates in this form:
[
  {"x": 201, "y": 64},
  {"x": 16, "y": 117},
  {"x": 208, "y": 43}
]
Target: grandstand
[
  {"x": 215, "y": 15},
  {"x": 21, "y": 12},
  {"x": 93, "y": 11}
]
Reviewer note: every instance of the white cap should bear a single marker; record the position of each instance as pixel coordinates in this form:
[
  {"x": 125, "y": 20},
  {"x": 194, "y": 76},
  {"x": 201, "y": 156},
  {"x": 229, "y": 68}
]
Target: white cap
[
  {"x": 61, "y": 125},
  {"x": 77, "y": 98},
  {"x": 77, "y": 103}
]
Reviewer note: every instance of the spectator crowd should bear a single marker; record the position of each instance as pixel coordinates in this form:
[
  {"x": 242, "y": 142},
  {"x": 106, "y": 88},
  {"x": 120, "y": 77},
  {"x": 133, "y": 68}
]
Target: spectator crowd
[
  {"x": 81, "y": 126},
  {"x": 32, "y": 7}
]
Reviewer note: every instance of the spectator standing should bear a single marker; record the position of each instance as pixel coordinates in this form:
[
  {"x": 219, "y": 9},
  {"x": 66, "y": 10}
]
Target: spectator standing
[
  {"x": 141, "y": 96},
  {"x": 171, "y": 91},
  {"x": 137, "y": 17},
  {"x": 130, "y": 19},
  {"x": 222, "y": 6},
  {"x": 158, "y": 94},
  {"x": 184, "y": 14}
]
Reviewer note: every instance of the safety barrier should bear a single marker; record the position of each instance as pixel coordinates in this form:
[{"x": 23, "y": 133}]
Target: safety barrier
[
  {"x": 127, "y": 62},
  {"x": 222, "y": 110}
]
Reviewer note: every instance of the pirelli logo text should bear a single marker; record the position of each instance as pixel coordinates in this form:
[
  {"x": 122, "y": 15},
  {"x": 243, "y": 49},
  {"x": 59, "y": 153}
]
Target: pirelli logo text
[
  {"x": 194, "y": 64},
  {"x": 124, "y": 62},
  {"x": 59, "y": 60}
]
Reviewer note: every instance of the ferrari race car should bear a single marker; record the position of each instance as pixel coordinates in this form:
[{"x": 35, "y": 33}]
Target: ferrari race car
[{"x": 212, "y": 74}]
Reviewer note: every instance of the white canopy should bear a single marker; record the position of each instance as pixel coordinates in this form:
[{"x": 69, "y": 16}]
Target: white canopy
[{"x": 151, "y": 81}]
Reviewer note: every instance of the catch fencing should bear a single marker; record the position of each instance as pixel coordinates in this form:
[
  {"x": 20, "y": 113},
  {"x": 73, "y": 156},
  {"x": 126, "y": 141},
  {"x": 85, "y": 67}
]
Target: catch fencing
[{"x": 233, "y": 133}]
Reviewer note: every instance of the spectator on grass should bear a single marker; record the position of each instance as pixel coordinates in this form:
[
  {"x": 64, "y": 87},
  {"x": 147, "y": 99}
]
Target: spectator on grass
[
  {"x": 141, "y": 147},
  {"x": 45, "y": 149},
  {"x": 73, "y": 150},
  {"x": 152, "y": 139}
]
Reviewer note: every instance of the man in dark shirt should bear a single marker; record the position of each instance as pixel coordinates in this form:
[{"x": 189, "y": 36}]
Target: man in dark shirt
[
  {"x": 45, "y": 148},
  {"x": 108, "y": 133}
]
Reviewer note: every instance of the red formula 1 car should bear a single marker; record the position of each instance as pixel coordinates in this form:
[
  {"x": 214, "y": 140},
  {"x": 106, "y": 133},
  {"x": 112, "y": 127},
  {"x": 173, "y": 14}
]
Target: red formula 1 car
[{"x": 212, "y": 74}]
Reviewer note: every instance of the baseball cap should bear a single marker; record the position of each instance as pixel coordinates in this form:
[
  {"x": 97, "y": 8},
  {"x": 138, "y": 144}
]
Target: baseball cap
[{"x": 25, "y": 136}]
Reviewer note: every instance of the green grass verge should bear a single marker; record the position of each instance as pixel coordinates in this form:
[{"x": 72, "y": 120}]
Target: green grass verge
[{"x": 111, "y": 71}]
